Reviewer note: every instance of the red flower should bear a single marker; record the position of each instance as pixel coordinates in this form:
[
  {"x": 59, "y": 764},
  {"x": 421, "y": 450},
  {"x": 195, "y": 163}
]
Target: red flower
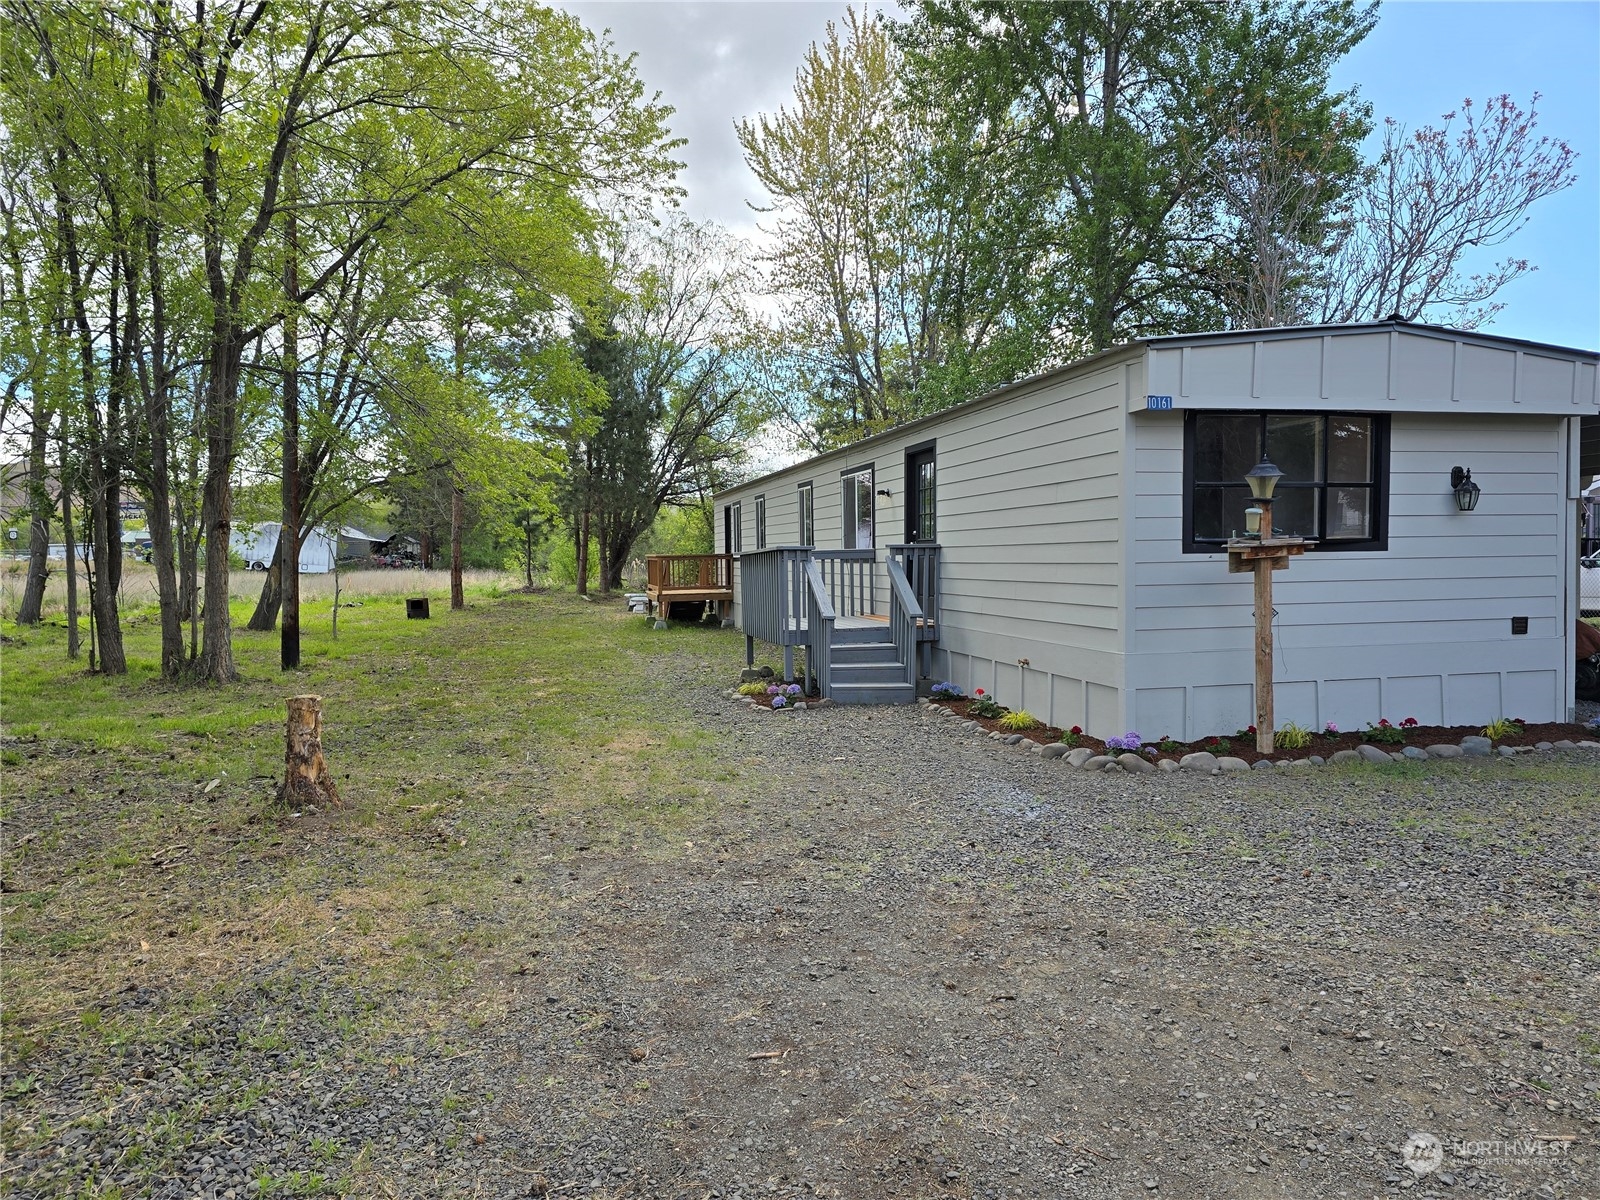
[
  {"x": 977, "y": 691},
  {"x": 1250, "y": 729},
  {"x": 1382, "y": 723},
  {"x": 1077, "y": 729},
  {"x": 1409, "y": 723}
]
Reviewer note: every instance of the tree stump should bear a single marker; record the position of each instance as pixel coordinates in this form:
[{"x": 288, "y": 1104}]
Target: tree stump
[{"x": 306, "y": 780}]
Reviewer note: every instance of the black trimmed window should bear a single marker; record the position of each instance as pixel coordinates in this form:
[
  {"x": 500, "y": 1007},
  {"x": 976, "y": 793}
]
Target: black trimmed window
[
  {"x": 808, "y": 517},
  {"x": 1334, "y": 487},
  {"x": 761, "y": 522}
]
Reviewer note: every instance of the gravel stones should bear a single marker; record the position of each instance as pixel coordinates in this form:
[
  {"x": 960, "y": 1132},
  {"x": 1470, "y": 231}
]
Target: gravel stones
[{"x": 925, "y": 968}]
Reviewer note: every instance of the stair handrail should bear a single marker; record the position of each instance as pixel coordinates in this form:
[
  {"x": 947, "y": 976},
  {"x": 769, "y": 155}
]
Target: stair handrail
[
  {"x": 921, "y": 563},
  {"x": 820, "y": 617},
  {"x": 904, "y": 614}
]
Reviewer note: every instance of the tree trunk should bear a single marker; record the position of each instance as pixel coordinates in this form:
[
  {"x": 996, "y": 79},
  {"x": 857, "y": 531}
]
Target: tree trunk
[
  {"x": 457, "y": 518},
  {"x": 583, "y": 553},
  {"x": 40, "y": 506},
  {"x": 266, "y": 613},
  {"x": 67, "y": 531},
  {"x": 157, "y": 380},
  {"x": 289, "y": 534},
  {"x": 216, "y": 512},
  {"x": 107, "y": 550},
  {"x": 306, "y": 779}
]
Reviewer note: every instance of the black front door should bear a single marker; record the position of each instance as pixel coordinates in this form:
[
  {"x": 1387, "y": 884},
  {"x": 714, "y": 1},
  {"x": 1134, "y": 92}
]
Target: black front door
[{"x": 920, "y": 496}]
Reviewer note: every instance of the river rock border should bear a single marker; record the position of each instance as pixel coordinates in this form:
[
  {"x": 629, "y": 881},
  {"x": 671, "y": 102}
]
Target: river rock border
[{"x": 1203, "y": 762}]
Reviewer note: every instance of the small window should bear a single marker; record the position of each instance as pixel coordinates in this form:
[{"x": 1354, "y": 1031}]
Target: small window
[
  {"x": 761, "y": 522},
  {"x": 808, "y": 525},
  {"x": 733, "y": 533},
  {"x": 856, "y": 501},
  {"x": 1335, "y": 475}
]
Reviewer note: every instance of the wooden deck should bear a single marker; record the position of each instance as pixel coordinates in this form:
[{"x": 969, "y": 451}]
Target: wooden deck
[{"x": 688, "y": 578}]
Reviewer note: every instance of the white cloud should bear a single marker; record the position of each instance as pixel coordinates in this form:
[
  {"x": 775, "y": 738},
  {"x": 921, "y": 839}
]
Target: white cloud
[{"x": 714, "y": 63}]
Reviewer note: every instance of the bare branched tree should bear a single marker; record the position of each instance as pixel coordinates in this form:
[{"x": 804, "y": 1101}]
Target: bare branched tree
[{"x": 1433, "y": 196}]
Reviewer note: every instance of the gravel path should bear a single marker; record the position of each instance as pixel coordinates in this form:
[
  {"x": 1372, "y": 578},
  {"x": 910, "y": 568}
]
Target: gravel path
[{"x": 914, "y": 963}]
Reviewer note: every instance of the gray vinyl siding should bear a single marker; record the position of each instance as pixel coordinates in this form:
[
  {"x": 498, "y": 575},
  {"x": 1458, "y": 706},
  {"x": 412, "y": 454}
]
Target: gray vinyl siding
[
  {"x": 1059, "y": 510},
  {"x": 1420, "y": 630},
  {"x": 1028, "y": 510}
]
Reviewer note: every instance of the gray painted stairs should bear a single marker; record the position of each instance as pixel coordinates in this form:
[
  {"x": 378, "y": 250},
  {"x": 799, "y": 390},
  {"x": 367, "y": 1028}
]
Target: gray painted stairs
[{"x": 866, "y": 669}]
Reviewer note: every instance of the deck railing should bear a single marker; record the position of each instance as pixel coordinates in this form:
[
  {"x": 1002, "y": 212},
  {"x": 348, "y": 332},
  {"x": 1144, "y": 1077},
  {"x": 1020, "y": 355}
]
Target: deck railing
[
  {"x": 920, "y": 561},
  {"x": 772, "y": 594},
  {"x": 689, "y": 572},
  {"x": 849, "y": 577}
]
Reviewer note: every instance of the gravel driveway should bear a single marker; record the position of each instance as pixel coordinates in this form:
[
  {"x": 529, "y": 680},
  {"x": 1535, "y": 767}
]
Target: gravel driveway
[{"x": 903, "y": 961}]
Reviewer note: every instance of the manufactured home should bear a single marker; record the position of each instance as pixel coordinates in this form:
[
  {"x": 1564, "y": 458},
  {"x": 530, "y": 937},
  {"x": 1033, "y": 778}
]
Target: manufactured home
[{"x": 1059, "y": 542}]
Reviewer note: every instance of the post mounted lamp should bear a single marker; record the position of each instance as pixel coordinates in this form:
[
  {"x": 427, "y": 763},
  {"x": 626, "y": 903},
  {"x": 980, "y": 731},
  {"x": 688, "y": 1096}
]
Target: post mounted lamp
[
  {"x": 1466, "y": 491},
  {"x": 1263, "y": 480},
  {"x": 1262, "y": 553}
]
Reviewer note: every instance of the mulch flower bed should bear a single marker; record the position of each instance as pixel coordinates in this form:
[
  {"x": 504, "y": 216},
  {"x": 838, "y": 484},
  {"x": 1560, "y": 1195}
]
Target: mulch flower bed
[{"x": 1243, "y": 745}]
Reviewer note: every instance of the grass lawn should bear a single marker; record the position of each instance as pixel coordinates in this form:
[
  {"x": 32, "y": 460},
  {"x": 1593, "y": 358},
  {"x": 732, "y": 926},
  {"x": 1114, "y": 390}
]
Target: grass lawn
[{"x": 143, "y": 848}]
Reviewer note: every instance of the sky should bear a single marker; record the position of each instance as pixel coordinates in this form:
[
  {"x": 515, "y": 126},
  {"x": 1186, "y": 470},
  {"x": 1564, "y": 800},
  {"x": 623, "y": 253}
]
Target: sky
[{"x": 716, "y": 63}]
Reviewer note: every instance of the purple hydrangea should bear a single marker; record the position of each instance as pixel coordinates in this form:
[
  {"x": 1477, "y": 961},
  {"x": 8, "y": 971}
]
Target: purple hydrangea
[
  {"x": 792, "y": 690},
  {"x": 774, "y": 688},
  {"x": 946, "y": 691},
  {"x": 779, "y": 700},
  {"x": 1128, "y": 741}
]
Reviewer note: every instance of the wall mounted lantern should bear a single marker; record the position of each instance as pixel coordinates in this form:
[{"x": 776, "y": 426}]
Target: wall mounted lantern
[
  {"x": 884, "y": 492},
  {"x": 1466, "y": 491}
]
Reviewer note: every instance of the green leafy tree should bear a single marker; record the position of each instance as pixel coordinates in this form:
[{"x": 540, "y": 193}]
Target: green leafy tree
[
  {"x": 1116, "y": 112},
  {"x": 671, "y": 367},
  {"x": 205, "y": 176},
  {"x": 878, "y": 205}
]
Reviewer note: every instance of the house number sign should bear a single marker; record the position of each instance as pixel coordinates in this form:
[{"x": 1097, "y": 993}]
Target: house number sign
[{"x": 1157, "y": 403}]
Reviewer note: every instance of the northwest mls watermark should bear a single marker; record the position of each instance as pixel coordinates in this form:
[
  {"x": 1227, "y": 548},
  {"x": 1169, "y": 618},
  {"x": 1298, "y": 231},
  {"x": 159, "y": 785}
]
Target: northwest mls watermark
[{"x": 1424, "y": 1153}]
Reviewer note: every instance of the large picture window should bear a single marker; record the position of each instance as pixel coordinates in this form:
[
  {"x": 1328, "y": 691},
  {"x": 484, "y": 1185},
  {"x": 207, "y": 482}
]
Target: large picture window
[
  {"x": 856, "y": 488},
  {"x": 1335, "y": 476}
]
